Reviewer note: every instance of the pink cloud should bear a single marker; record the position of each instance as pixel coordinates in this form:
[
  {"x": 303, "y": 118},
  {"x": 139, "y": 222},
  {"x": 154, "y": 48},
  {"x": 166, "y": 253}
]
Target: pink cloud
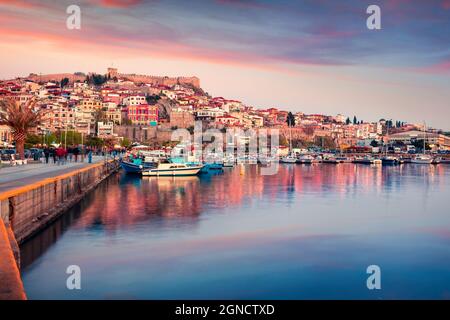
[
  {"x": 242, "y": 3},
  {"x": 18, "y": 3},
  {"x": 437, "y": 68},
  {"x": 118, "y": 3},
  {"x": 446, "y": 4}
]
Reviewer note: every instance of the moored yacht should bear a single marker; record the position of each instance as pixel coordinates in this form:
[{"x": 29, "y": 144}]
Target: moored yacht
[
  {"x": 389, "y": 160},
  {"x": 305, "y": 159},
  {"x": 329, "y": 159},
  {"x": 290, "y": 158},
  {"x": 422, "y": 159},
  {"x": 364, "y": 160},
  {"x": 173, "y": 169}
]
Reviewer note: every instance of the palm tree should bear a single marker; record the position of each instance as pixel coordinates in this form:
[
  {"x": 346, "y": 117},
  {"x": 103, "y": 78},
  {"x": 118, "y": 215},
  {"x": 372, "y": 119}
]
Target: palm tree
[{"x": 21, "y": 118}]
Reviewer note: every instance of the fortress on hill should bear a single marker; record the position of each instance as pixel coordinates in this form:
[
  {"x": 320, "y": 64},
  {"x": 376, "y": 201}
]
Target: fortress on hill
[
  {"x": 167, "y": 81},
  {"x": 113, "y": 73}
]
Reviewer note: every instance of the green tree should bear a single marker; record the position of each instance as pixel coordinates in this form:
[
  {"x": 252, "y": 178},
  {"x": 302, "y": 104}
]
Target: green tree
[
  {"x": 94, "y": 142},
  {"x": 290, "y": 120},
  {"x": 152, "y": 99},
  {"x": 355, "y": 121},
  {"x": 32, "y": 140},
  {"x": 64, "y": 82},
  {"x": 374, "y": 143},
  {"x": 125, "y": 142},
  {"x": 347, "y": 121},
  {"x": 96, "y": 79}
]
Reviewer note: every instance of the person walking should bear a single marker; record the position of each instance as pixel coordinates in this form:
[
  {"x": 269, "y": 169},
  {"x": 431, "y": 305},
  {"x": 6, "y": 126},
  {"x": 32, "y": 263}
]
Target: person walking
[
  {"x": 60, "y": 154},
  {"x": 76, "y": 152},
  {"x": 53, "y": 154},
  {"x": 69, "y": 151},
  {"x": 90, "y": 156},
  {"x": 46, "y": 154}
]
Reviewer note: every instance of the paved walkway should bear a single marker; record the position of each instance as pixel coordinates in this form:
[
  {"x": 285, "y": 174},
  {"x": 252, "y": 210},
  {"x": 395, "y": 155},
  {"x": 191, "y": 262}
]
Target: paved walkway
[{"x": 19, "y": 176}]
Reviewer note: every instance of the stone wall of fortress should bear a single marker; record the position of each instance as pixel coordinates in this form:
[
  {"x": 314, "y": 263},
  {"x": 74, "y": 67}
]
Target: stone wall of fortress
[
  {"x": 167, "y": 81},
  {"x": 56, "y": 77}
]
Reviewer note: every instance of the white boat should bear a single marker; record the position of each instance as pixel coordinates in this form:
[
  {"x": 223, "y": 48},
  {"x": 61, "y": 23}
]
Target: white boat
[
  {"x": 363, "y": 160},
  {"x": 422, "y": 159},
  {"x": 377, "y": 161},
  {"x": 436, "y": 160},
  {"x": 305, "y": 159},
  {"x": 342, "y": 159},
  {"x": 289, "y": 159},
  {"x": 173, "y": 169},
  {"x": 229, "y": 161},
  {"x": 329, "y": 159}
]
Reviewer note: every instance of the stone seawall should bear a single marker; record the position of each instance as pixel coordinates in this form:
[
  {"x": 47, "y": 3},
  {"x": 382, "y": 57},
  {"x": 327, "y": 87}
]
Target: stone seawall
[
  {"x": 31, "y": 208},
  {"x": 11, "y": 287}
]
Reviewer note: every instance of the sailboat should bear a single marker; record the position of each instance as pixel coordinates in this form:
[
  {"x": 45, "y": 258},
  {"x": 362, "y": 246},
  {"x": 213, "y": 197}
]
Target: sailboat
[
  {"x": 388, "y": 160},
  {"x": 423, "y": 158},
  {"x": 290, "y": 158}
]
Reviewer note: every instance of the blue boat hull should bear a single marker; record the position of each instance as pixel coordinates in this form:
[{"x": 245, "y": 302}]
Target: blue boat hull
[
  {"x": 130, "y": 167},
  {"x": 211, "y": 166}
]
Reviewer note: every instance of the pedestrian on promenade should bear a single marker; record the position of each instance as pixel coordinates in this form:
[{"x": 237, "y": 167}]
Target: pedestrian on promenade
[
  {"x": 76, "y": 152},
  {"x": 60, "y": 154},
  {"x": 46, "y": 154},
  {"x": 69, "y": 151},
  {"x": 90, "y": 156},
  {"x": 53, "y": 154},
  {"x": 65, "y": 155}
]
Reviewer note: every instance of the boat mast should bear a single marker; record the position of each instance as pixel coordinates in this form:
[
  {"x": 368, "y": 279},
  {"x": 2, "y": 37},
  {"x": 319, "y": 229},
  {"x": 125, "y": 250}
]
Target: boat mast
[
  {"x": 387, "y": 135},
  {"x": 424, "y": 137}
]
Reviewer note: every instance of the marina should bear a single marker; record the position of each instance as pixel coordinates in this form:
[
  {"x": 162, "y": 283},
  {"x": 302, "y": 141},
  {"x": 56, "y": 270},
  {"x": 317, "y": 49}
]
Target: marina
[{"x": 239, "y": 234}]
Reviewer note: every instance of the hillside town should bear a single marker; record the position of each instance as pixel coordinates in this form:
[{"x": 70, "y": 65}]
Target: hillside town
[{"x": 128, "y": 108}]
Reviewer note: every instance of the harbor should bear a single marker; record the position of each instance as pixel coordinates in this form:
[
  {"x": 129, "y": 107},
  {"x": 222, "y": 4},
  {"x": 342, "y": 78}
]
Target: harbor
[
  {"x": 235, "y": 233},
  {"x": 37, "y": 212}
]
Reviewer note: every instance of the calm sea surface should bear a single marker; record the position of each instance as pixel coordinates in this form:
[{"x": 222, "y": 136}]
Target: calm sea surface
[{"x": 308, "y": 232}]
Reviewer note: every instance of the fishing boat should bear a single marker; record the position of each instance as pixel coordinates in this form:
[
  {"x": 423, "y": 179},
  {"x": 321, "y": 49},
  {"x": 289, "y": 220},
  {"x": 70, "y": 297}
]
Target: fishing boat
[
  {"x": 422, "y": 159},
  {"x": 172, "y": 169},
  {"x": 136, "y": 165}
]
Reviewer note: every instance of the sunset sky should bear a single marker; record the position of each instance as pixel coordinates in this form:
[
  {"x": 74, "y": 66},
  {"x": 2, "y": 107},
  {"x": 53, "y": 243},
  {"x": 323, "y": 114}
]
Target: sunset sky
[{"x": 312, "y": 56}]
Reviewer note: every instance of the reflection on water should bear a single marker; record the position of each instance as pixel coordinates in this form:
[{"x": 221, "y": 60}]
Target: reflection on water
[{"x": 307, "y": 232}]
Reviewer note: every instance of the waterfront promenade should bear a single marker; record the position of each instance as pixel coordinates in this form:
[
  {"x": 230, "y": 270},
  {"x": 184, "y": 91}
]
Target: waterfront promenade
[{"x": 19, "y": 176}]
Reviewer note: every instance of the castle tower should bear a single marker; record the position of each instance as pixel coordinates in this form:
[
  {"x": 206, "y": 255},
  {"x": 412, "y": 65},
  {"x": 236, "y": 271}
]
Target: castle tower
[{"x": 112, "y": 72}]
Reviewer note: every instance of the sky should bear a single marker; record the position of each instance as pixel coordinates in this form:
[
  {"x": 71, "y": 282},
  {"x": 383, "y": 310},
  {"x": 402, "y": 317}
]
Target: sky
[{"x": 313, "y": 56}]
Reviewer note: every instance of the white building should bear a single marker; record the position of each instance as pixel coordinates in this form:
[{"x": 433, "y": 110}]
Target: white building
[
  {"x": 134, "y": 100},
  {"x": 105, "y": 129}
]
